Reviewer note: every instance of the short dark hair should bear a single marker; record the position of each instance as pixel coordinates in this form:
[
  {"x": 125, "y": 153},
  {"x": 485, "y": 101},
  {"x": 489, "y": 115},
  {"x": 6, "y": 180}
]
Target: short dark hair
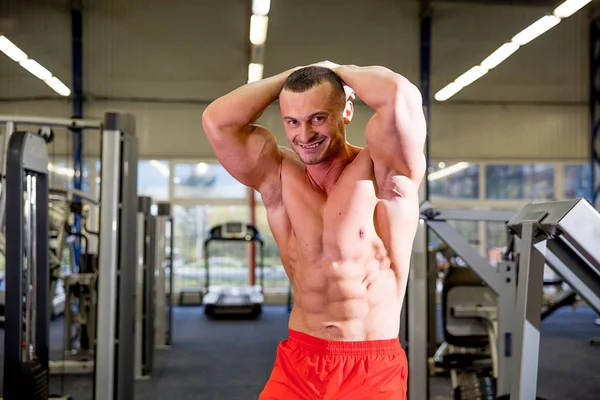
[{"x": 306, "y": 78}]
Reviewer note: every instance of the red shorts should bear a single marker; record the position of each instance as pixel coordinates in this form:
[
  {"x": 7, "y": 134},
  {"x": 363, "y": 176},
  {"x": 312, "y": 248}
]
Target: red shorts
[{"x": 309, "y": 368}]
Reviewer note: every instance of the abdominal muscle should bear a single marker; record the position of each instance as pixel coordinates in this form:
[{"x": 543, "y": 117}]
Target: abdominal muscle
[{"x": 347, "y": 300}]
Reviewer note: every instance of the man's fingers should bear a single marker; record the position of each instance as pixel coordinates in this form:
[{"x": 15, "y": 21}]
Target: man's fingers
[{"x": 349, "y": 93}]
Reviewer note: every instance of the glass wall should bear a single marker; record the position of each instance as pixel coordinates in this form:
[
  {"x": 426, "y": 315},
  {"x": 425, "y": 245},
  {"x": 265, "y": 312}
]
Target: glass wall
[
  {"x": 453, "y": 181},
  {"x": 506, "y": 186},
  {"x": 519, "y": 182},
  {"x": 276, "y": 279},
  {"x": 228, "y": 261}
]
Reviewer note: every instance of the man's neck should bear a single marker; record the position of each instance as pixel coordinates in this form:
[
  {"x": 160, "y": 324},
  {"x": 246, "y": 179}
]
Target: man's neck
[{"x": 325, "y": 174}]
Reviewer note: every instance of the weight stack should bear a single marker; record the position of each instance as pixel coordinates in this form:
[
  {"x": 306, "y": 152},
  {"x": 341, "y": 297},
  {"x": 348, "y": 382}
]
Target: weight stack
[{"x": 33, "y": 381}]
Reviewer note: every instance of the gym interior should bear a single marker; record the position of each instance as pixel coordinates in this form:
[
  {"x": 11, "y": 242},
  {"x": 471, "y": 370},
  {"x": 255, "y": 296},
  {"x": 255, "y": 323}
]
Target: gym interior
[{"x": 158, "y": 276}]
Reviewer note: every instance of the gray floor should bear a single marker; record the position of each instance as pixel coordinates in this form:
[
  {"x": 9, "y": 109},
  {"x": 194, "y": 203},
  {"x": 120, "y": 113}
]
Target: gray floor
[{"x": 231, "y": 360}]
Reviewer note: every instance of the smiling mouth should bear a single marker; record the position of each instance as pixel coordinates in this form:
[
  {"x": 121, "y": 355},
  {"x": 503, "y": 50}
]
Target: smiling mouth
[{"x": 312, "y": 145}]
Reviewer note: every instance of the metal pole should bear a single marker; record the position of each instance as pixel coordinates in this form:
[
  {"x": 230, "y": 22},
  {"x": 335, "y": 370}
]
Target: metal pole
[
  {"x": 252, "y": 245},
  {"x": 8, "y": 131},
  {"x": 527, "y": 313},
  {"x": 594, "y": 48},
  {"x": 414, "y": 321},
  {"x": 107, "y": 266},
  {"x": 77, "y": 55}
]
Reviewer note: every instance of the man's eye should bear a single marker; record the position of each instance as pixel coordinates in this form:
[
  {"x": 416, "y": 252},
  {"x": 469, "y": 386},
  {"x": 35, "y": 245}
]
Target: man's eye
[
  {"x": 319, "y": 118},
  {"x": 292, "y": 122}
]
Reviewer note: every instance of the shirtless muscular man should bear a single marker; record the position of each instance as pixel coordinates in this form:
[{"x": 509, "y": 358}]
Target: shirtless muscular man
[{"x": 344, "y": 219}]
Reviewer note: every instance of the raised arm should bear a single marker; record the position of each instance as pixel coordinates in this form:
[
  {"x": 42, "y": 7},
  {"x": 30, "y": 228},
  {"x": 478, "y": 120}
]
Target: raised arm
[
  {"x": 396, "y": 134},
  {"x": 249, "y": 152}
]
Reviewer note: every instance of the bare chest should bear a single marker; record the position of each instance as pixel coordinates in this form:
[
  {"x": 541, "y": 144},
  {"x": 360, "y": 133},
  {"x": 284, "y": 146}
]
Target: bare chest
[{"x": 344, "y": 225}]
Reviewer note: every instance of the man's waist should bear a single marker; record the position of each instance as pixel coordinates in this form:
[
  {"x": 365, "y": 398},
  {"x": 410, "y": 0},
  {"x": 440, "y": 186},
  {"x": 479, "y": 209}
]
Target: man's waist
[{"x": 344, "y": 347}]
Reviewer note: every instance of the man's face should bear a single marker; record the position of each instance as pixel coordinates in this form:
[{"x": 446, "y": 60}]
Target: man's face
[{"x": 314, "y": 122}]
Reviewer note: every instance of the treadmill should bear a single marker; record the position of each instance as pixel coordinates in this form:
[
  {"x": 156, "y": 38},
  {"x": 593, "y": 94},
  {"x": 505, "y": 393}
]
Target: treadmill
[{"x": 233, "y": 301}]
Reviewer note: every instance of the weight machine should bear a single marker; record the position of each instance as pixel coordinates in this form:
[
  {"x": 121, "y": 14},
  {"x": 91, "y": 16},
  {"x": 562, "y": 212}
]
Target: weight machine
[
  {"x": 164, "y": 277},
  {"x": 562, "y": 235},
  {"x": 79, "y": 283},
  {"x": 146, "y": 269},
  {"x": 27, "y": 331},
  {"x": 487, "y": 294},
  {"x": 115, "y": 341}
]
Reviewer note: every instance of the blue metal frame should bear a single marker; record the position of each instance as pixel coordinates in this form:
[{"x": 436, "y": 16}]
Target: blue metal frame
[
  {"x": 77, "y": 55},
  {"x": 594, "y": 108}
]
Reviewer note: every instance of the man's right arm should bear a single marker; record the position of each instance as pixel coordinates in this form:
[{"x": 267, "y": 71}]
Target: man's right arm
[{"x": 249, "y": 152}]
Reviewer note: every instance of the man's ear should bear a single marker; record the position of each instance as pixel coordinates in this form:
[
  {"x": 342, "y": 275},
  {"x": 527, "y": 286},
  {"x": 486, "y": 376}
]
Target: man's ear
[{"x": 348, "y": 112}]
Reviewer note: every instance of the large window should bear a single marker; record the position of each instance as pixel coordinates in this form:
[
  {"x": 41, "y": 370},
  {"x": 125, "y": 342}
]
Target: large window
[
  {"x": 206, "y": 181},
  {"x": 61, "y": 174},
  {"x": 577, "y": 181},
  {"x": 519, "y": 182},
  {"x": 276, "y": 279},
  {"x": 228, "y": 260},
  {"x": 453, "y": 181},
  {"x": 153, "y": 179}
]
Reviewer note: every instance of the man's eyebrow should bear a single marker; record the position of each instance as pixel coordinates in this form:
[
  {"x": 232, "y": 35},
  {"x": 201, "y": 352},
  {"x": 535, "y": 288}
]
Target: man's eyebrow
[{"x": 311, "y": 116}]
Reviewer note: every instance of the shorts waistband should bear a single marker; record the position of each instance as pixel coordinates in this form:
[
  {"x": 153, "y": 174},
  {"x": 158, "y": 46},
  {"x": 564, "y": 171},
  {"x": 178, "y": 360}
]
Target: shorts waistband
[{"x": 348, "y": 348}]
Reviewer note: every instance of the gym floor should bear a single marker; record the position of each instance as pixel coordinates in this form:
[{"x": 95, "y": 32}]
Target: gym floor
[{"x": 231, "y": 360}]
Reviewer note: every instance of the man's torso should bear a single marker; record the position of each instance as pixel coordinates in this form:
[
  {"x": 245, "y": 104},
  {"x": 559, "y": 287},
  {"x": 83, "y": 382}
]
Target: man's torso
[{"x": 346, "y": 252}]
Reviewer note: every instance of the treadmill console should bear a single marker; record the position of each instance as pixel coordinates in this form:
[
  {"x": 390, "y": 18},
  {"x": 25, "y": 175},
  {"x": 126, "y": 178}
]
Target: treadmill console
[{"x": 234, "y": 230}]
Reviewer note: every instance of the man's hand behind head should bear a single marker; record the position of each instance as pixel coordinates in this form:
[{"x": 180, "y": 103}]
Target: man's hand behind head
[{"x": 326, "y": 64}]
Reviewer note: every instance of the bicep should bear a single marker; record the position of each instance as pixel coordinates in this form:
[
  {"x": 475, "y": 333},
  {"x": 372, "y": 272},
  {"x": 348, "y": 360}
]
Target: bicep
[
  {"x": 396, "y": 136},
  {"x": 251, "y": 155}
]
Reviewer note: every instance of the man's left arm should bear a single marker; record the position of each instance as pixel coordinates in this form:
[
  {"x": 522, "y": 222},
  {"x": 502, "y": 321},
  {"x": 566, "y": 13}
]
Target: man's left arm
[{"x": 397, "y": 132}]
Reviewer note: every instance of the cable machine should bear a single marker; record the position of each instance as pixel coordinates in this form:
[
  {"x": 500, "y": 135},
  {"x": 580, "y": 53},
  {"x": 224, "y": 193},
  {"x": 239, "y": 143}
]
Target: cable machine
[{"x": 27, "y": 331}]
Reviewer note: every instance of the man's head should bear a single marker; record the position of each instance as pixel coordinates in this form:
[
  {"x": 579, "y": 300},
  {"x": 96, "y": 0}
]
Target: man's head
[{"x": 315, "y": 113}]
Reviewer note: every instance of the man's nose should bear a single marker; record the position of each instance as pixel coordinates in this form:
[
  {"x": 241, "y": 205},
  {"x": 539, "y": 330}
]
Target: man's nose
[{"x": 308, "y": 134}]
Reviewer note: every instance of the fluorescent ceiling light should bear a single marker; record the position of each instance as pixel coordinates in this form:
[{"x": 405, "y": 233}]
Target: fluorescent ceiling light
[
  {"x": 444, "y": 172},
  {"x": 36, "y": 69},
  {"x": 261, "y": 7},
  {"x": 258, "y": 29},
  {"x": 542, "y": 25},
  {"x": 534, "y": 30},
  {"x": 255, "y": 72},
  {"x": 448, "y": 91},
  {"x": 11, "y": 50},
  {"x": 471, "y": 76},
  {"x": 503, "y": 52},
  {"x": 59, "y": 87},
  {"x": 570, "y": 7}
]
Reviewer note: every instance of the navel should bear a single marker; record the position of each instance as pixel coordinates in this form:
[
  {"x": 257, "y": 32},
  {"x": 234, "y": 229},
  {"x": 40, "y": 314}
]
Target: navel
[{"x": 361, "y": 232}]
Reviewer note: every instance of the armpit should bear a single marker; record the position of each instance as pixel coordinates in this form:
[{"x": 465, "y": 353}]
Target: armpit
[{"x": 400, "y": 186}]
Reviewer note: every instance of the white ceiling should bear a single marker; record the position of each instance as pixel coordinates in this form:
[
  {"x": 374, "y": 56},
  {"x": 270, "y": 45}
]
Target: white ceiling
[{"x": 196, "y": 50}]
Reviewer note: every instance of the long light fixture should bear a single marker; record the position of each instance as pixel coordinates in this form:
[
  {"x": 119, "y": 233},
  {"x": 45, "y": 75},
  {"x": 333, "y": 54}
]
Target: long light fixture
[
  {"x": 533, "y": 31},
  {"x": 12, "y": 51},
  {"x": 258, "y": 29},
  {"x": 570, "y": 7},
  {"x": 19, "y": 56},
  {"x": 36, "y": 69},
  {"x": 261, "y": 7},
  {"x": 536, "y": 29},
  {"x": 503, "y": 52},
  {"x": 255, "y": 72},
  {"x": 259, "y": 24}
]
